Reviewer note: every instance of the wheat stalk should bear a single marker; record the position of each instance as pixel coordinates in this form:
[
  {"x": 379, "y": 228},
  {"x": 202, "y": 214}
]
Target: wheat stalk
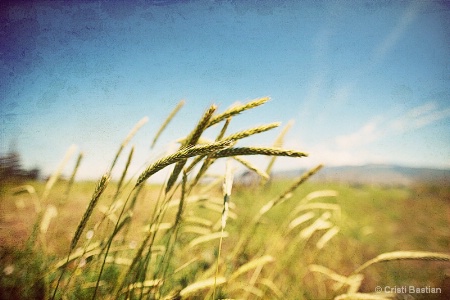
[
  {"x": 243, "y": 240},
  {"x": 168, "y": 235},
  {"x": 170, "y": 246},
  {"x": 245, "y": 133},
  {"x": 32, "y": 192},
  {"x": 250, "y": 166},
  {"x": 277, "y": 144},
  {"x": 124, "y": 172},
  {"x": 181, "y": 154},
  {"x": 191, "y": 140},
  {"x": 201, "y": 126},
  {"x": 288, "y": 193},
  {"x": 133, "y": 131},
  {"x": 208, "y": 160},
  {"x": 101, "y": 186},
  {"x": 51, "y": 181},
  {"x": 227, "y": 186},
  {"x": 257, "y": 151},
  {"x": 224, "y": 129},
  {"x": 74, "y": 172},
  {"x": 237, "y": 109},
  {"x": 50, "y": 213},
  {"x": 127, "y": 140},
  {"x": 48, "y": 186},
  {"x": 166, "y": 122}
]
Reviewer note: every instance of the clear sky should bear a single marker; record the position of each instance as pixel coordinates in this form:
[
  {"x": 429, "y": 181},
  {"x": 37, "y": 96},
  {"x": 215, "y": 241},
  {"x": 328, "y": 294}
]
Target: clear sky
[{"x": 365, "y": 81}]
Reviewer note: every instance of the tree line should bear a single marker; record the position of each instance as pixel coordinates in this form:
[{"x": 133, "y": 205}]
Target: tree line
[{"x": 11, "y": 168}]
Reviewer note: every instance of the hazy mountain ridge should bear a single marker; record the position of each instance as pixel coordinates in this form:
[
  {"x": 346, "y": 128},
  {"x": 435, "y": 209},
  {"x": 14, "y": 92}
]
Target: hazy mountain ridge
[{"x": 376, "y": 174}]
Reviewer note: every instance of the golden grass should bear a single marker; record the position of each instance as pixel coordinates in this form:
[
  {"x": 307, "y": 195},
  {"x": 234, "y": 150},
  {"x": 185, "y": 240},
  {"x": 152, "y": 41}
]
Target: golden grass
[{"x": 169, "y": 241}]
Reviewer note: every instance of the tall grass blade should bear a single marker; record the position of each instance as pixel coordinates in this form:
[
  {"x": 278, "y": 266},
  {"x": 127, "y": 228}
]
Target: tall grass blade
[
  {"x": 278, "y": 144},
  {"x": 49, "y": 214},
  {"x": 405, "y": 255},
  {"x": 327, "y": 237},
  {"x": 300, "y": 220},
  {"x": 251, "y": 265},
  {"x": 51, "y": 181},
  {"x": 72, "y": 176},
  {"x": 124, "y": 173},
  {"x": 224, "y": 129},
  {"x": 227, "y": 186},
  {"x": 127, "y": 140},
  {"x": 171, "y": 242},
  {"x": 311, "y": 206},
  {"x": 328, "y": 272},
  {"x": 288, "y": 192},
  {"x": 201, "y": 285},
  {"x": 207, "y": 238},
  {"x": 166, "y": 122},
  {"x": 244, "y": 239},
  {"x": 32, "y": 192},
  {"x": 319, "y": 224},
  {"x": 251, "y": 167},
  {"x": 318, "y": 194}
]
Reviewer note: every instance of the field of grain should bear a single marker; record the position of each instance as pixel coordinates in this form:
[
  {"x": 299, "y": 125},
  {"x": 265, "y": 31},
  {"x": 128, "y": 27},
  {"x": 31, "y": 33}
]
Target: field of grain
[{"x": 221, "y": 238}]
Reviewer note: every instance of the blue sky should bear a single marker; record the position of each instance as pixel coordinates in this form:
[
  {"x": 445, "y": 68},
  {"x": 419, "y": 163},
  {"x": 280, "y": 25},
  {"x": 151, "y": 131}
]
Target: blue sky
[{"x": 365, "y": 83}]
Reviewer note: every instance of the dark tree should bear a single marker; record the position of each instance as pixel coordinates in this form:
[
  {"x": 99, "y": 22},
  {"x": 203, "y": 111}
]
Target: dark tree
[{"x": 11, "y": 168}]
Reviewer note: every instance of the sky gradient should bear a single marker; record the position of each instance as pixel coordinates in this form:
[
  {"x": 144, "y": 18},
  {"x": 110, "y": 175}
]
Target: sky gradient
[{"x": 364, "y": 83}]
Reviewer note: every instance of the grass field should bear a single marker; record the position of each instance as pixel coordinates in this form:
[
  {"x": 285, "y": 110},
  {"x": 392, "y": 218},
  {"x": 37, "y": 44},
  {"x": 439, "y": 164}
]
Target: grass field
[
  {"x": 372, "y": 220},
  {"x": 221, "y": 238}
]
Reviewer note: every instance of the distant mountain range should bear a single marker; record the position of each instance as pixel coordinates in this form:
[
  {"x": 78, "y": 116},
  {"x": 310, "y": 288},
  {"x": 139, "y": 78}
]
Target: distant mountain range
[{"x": 376, "y": 174}]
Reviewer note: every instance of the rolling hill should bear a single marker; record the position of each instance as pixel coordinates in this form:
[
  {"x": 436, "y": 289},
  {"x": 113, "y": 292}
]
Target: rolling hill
[{"x": 376, "y": 174}]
